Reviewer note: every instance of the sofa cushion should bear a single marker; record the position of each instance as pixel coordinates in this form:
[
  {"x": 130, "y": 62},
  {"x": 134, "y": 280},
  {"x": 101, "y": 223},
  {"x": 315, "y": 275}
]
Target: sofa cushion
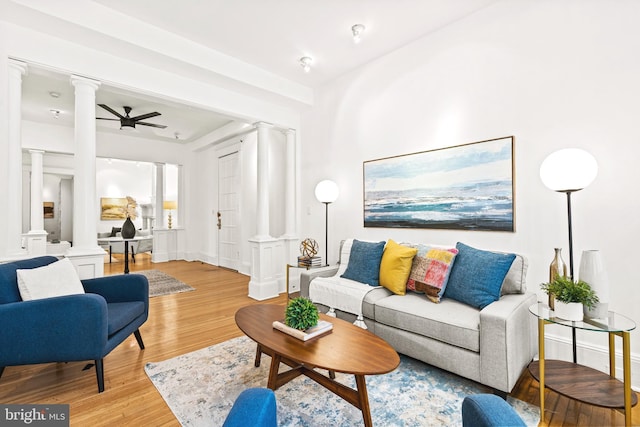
[
  {"x": 477, "y": 275},
  {"x": 115, "y": 231},
  {"x": 120, "y": 314},
  {"x": 53, "y": 280},
  {"x": 364, "y": 262},
  {"x": 430, "y": 273},
  {"x": 395, "y": 267},
  {"x": 450, "y": 321},
  {"x": 515, "y": 282}
]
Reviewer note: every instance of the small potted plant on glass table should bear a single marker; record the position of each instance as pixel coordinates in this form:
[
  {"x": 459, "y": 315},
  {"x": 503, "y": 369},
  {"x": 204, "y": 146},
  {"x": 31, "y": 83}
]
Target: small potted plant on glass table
[{"x": 570, "y": 297}]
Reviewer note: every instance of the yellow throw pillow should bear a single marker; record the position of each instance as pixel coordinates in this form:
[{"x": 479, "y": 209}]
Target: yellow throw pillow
[{"x": 396, "y": 266}]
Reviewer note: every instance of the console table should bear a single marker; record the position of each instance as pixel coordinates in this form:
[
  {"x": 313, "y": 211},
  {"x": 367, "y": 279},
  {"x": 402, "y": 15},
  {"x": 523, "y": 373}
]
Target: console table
[{"x": 579, "y": 382}]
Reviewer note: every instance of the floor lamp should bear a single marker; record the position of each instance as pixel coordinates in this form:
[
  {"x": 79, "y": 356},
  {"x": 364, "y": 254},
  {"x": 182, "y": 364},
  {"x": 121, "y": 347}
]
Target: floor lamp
[
  {"x": 326, "y": 192},
  {"x": 567, "y": 171}
]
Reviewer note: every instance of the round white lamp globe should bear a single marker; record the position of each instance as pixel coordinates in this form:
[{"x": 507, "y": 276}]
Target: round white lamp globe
[
  {"x": 569, "y": 169},
  {"x": 327, "y": 191}
]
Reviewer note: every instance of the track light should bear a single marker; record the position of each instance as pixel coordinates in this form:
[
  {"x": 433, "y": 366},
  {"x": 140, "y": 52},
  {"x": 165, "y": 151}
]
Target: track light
[
  {"x": 305, "y": 63},
  {"x": 357, "y": 31}
]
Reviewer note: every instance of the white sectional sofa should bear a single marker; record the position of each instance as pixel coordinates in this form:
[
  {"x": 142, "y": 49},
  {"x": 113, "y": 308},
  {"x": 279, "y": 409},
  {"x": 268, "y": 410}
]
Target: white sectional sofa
[{"x": 491, "y": 345}]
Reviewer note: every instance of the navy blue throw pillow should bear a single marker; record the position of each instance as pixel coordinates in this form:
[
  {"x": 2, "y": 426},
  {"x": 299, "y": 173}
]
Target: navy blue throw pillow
[
  {"x": 476, "y": 277},
  {"x": 364, "y": 262}
]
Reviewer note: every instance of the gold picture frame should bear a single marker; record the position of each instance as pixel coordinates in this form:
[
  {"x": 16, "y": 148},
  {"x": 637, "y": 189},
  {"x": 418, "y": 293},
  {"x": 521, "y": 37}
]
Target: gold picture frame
[{"x": 113, "y": 208}]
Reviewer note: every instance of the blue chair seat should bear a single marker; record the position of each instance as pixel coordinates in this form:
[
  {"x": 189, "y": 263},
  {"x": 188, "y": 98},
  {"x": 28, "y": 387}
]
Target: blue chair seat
[
  {"x": 255, "y": 407},
  {"x": 120, "y": 314},
  {"x": 489, "y": 410}
]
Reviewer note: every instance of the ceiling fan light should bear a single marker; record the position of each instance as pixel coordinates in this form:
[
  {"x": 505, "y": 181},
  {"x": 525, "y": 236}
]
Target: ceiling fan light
[{"x": 131, "y": 127}]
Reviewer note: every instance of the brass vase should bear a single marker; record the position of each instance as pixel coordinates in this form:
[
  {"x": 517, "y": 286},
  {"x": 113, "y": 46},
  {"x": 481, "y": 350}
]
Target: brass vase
[{"x": 558, "y": 268}]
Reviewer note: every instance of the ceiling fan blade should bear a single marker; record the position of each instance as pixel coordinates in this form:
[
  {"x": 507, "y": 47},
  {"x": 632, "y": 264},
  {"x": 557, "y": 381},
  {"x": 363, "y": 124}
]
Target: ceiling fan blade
[
  {"x": 151, "y": 124},
  {"x": 146, "y": 116},
  {"x": 102, "y": 118},
  {"x": 111, "y": 110}
]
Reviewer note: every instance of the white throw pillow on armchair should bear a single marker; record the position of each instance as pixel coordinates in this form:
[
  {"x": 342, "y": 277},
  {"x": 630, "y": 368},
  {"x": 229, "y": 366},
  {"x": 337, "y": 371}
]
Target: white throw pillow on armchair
[{"x": 53, "y": 280}]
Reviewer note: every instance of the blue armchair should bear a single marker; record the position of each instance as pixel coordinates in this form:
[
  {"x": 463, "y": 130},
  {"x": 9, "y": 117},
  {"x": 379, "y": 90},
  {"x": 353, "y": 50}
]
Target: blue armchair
[
  {"x": 255, "y": 407},
  {"x": 488, "y": 410},
  {"x": 72, "y": 327}
]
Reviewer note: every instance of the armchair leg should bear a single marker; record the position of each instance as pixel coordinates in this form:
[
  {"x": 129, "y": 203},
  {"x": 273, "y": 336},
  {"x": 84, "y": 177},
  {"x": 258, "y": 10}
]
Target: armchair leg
[
  {"x": 1, "y": 370},
  {"x": 139, "y": 339},
  {"x": 100, "y": 375}
]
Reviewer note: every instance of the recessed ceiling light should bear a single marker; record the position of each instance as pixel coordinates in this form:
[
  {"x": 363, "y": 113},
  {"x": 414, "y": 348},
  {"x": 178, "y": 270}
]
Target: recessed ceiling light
[
  {"x": 54, "y": 94},
  {"x": 305, "y": 63},
  {"x": 357, "y": 31}
]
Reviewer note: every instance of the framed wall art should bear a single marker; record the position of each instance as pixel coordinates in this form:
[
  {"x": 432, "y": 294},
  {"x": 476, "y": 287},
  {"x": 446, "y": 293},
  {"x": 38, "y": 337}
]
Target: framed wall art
[
  {"x": 112, "y": 208},
  {"x": 47, "y": 210},
  {"x": 465, "y": 187}
]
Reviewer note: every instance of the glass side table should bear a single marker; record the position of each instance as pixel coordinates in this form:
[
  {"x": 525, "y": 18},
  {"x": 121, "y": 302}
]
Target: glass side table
[{"x": 579, "y": 382}]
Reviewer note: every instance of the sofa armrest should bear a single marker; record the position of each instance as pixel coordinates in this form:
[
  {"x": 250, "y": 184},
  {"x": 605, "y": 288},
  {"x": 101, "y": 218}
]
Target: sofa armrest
[
  {"x": 307, "y": 276},
  {"x": 71, "y": 327},
  {"x": 119, "y": 288},
  {"x": 506, "y": 340}
]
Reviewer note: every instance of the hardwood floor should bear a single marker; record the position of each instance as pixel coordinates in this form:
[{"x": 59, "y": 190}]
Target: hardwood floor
[{"x": 185, "y": 322}]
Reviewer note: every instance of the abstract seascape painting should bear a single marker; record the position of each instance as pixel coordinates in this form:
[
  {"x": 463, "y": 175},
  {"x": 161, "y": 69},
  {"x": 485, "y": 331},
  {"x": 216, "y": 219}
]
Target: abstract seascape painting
[{"x": 465, "y": 187}]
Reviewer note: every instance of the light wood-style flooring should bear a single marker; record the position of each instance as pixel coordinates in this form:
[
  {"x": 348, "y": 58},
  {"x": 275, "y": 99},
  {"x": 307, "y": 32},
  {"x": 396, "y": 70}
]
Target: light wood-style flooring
[{"x": 185, "y": 322}]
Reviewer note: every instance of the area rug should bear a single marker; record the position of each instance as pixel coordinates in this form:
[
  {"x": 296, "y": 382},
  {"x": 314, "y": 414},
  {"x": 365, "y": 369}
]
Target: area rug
[
  {"x": 162, "y": 284},
  {"x": 200, "y": 388}
]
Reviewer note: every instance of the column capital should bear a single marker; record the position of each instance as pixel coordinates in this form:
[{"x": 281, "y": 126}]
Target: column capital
[
  {"x": 262, "y": 125},
  {"x": 288, "y": 132},
  {"x": 79, "y": 80},
  {"x": 20, "y": 66},
  {"x": 34, "y": 151}
]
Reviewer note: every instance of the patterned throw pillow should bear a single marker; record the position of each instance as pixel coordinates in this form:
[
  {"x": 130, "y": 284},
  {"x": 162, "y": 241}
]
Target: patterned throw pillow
[
  {"x": 396, "y": 266},
  {"x": 364, "y": 262},
  {"x": 430, "y": 273}
]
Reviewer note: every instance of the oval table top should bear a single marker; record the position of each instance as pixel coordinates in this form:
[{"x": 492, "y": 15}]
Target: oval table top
[{"x": 347, "y": 348}]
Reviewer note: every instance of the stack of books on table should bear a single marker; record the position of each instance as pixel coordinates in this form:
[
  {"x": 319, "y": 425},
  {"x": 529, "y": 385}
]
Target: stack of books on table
[
  {"x": 309, "y": 262},
  {"x": 321, "y": 328}
]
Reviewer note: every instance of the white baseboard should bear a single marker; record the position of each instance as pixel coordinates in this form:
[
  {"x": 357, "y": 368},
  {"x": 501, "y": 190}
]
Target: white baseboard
[{"x": 591, "y": 355}]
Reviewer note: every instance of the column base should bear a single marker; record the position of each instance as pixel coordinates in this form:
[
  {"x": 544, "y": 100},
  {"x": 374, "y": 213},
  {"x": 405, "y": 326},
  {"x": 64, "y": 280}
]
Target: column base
[
  {"x": 267, "y": 266},
  {"x": 88, "y": 262}
]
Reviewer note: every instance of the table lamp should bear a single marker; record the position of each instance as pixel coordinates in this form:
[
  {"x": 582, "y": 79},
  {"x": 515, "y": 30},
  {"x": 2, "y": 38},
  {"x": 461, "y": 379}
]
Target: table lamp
[
  {"x": 169, "y": 205},
  {"x": 326, "y": 192}
]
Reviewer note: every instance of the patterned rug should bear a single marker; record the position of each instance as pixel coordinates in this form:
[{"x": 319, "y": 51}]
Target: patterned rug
[
  {"x": 162, "y": 284},
  {"x": 200, "y": 388}
]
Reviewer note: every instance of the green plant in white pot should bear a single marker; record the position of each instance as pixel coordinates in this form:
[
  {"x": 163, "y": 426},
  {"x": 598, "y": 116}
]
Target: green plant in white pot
[{"x": 571, "y": 297}]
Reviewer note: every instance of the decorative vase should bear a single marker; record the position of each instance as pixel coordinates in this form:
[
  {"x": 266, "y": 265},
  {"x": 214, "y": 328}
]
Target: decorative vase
[
  {"x": 569, "y": 311},
  {"x": 592, "y": 271},
  {"x": 128, "y": 229},
  {"x": 558, "y": 268}
]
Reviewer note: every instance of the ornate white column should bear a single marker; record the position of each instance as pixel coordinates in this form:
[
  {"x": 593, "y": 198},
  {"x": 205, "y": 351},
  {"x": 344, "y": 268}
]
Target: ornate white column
[
  {"x": 85, "y": 253},
  {"x": 266, "y": 252},
  {"x": 290, "y": 238},
  {"x": 37, "y": 236},
  {"x": 14, "y": 162},
  {"x": 160, "y": 251},
  {"x": 262, "y": 209}
]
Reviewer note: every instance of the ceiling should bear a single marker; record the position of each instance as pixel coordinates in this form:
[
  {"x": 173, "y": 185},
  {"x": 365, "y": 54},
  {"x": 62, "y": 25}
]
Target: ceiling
[{"x": 271, "y": 35}]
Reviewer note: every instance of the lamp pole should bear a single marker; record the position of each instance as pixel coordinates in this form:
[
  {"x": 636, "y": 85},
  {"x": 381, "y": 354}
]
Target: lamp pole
[{"x": 326, "y": 233}]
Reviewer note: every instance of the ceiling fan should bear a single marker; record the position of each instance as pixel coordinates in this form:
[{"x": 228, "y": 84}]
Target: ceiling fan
[{"x": 127, "y": 122}]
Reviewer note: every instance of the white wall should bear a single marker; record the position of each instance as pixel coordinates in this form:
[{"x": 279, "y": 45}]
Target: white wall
[{"x": 553, "y": 73}]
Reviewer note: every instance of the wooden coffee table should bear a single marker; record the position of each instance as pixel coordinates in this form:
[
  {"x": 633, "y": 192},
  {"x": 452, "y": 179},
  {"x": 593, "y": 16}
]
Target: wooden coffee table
[{"x": 347, "y": 348}]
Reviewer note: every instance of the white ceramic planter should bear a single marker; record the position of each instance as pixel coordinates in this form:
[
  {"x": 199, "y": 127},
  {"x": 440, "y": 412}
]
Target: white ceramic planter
[{"x": 571, "y": 311}]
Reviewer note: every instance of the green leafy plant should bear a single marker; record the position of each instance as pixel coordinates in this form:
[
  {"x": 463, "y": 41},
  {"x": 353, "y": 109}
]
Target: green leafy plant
[
  {"x": 301, "y": 314},
  {"x": 566, "y": 290}
]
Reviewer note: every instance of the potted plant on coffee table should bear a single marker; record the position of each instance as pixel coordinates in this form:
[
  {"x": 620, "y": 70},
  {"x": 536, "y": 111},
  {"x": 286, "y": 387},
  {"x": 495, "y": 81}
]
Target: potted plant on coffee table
[{"x": 570, "y": 297}]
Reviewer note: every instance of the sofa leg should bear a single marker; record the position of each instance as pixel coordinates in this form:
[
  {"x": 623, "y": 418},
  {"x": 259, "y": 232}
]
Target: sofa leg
[
  {"x": 100, "y": 375},
  {"x": 139, "y": 339}
]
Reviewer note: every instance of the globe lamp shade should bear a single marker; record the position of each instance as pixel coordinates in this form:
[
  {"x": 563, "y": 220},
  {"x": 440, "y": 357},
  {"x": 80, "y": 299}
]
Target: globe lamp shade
[
  {"x": 569, "y": 169},
  {"x": 326, "y": 191}
]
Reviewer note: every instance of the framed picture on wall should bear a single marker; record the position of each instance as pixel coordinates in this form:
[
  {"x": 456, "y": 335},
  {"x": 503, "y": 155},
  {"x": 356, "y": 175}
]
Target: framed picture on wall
[
  {"x": 47, "y": 208},
  {"x": 465, "y": 187},
  {"x": 112, "y": 208}
]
